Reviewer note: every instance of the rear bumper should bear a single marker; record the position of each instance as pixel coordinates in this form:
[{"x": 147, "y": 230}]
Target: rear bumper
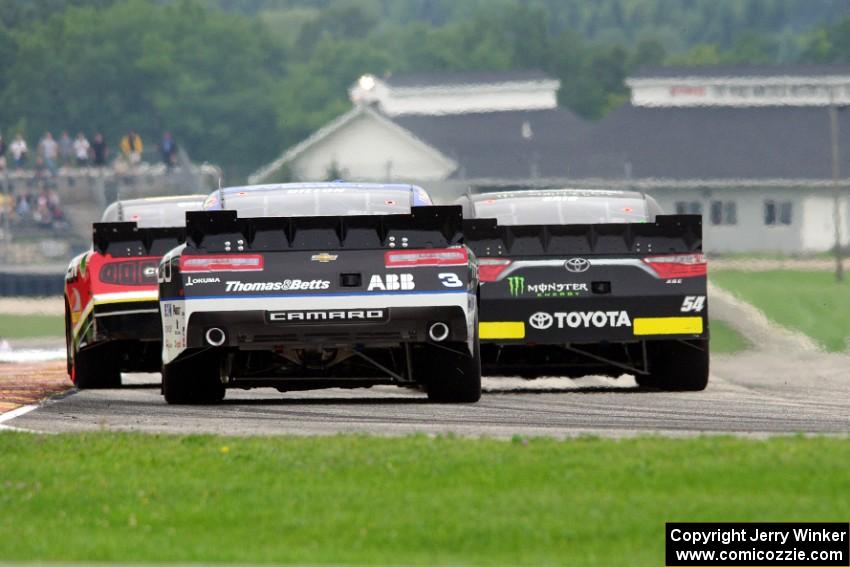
[
  {"x": 555, "y": 321},
  {"x": 262, "y": 330},
  {"x": 138, "y": 321}
]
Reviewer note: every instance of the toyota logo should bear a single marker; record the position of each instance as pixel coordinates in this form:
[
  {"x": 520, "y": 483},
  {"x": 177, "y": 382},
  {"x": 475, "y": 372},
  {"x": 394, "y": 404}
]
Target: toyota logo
[
  {"x": 540, "y": 320},
  {"x": 577, "y": 265}
]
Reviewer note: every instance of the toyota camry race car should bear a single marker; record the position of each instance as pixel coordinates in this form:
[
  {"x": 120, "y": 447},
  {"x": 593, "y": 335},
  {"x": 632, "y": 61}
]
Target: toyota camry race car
[
  {"x": 578, "y": 282},
  {"x": 302, "y": 286},
  {"x": 111, "y": 311}
]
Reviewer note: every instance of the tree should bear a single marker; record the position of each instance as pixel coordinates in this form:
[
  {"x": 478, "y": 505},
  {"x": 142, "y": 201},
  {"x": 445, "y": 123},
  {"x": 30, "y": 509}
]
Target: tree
[
  {"x": 207, "y": 76},
  {"x": 828, "y": 44}
]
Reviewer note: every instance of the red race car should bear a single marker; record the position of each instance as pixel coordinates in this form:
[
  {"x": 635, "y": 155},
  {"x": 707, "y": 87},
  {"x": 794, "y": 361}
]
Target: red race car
[{"x": 112, "y": 322}]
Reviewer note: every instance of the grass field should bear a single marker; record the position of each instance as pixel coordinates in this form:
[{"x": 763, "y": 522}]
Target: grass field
[
  {"x": 24, "y": 326},
  {"x": 414, "y": 500},
  {"x": 811, "y": 302},
  {"x": 725, "y": 339}
]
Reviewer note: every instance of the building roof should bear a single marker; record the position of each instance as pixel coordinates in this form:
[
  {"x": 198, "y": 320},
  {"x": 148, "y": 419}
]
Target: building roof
[
  {"x": 507, "y": 145},
  {"x": 710, "y": 143},
  {"x": 454, "y": 78},
  {"x": 741, "y": 71}
]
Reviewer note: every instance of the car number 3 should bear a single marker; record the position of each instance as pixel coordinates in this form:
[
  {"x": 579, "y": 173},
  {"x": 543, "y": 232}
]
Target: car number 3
[{"x": 450, "y": 280}]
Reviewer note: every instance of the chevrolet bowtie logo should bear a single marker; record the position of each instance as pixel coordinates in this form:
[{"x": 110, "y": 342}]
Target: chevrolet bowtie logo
[{"x": 324, "y": 257}]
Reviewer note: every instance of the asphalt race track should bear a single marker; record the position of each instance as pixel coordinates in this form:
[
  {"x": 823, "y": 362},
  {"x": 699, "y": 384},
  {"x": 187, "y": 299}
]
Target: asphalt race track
[{"x": 751, "y": 394}]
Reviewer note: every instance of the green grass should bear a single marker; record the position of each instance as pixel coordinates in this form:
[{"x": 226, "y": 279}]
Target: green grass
[
  {"x": 23, "y": 326},
  {"x": 810, "y": 302},
  {"x": 725, "y": 339},
  {"x": 413, "y": 500},
  {"x": 771, "y": 256}
]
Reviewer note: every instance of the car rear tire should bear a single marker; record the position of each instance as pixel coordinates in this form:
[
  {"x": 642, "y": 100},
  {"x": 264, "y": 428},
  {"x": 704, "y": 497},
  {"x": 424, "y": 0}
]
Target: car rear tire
[
  {"x": 677, "y": 366},
  {"x": 95, "y": 367},
  {"x": 195, "y": 380},
  {"x": 69, "y": 342},
  {"x": 453, "y": 376}
]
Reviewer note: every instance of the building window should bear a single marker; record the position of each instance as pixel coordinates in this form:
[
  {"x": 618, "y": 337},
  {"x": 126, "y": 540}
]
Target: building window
[
  {"x": 724, "y": 213},
  {"x": 785, "y": 212},
  {"x": 777, "y": 213},
  {"x": 730, "y": 212},
  {"x": 688, "y": 208}
]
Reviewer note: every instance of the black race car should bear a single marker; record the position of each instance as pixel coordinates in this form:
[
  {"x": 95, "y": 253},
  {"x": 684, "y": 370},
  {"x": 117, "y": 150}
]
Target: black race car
[
  {"x": 579, "y": 282},
  {"x": 302, "y": 286}
]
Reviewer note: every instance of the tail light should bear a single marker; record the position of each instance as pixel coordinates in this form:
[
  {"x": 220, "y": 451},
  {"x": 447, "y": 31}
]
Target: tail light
[
  {"x": 129, "y": 272},
  {"x": 429, "y": 257},
  {"x": 678, "y": 265},
  {"x": 490, "y": 268},
  {"x": 222, "y": 263}
]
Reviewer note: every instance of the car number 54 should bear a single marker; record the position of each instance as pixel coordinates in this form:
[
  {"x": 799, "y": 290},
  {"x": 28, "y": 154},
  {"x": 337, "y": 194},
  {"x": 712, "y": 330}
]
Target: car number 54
[{"x": 693, "y": 304}]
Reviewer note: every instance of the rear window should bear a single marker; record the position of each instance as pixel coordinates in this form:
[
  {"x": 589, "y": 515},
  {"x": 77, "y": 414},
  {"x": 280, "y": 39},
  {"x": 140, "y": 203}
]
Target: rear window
[
  {"x": 318, "y": 202},
  {"x": 153, "y": 215},
  {"x": 562, "y": 209}
]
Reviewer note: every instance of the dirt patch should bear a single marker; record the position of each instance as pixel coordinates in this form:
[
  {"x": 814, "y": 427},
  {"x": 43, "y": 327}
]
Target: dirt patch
[
  {"x": 22, "y": 384},
  {"x": 753, "y": 324}
]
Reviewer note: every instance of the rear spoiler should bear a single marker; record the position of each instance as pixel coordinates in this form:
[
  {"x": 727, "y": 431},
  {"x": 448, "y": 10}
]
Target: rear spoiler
[
  {"x": 125, "y": 239},
  {"x": 424, "y": 227},
  {"x": 668, "y": 234}
]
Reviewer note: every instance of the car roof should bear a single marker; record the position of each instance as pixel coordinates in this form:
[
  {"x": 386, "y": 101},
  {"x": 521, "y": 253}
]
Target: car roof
[
  {"x": 562, "y": 192},
  {"x": 164, "y": 199},
  {"x": 418, "y": 195},
  {"x": 318, "y": 185},
  {"x": 115, "y": 209}
]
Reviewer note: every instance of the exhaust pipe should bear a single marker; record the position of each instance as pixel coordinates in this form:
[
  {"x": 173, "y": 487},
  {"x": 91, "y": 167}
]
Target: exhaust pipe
[
  {"x": 215, "y": 336},
  {"x": 438, "y": 332}
]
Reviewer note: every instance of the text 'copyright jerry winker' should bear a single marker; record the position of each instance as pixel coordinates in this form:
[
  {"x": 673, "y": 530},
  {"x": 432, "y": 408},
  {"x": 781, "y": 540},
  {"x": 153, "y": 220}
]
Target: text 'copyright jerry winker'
[{"x": 757, "y": 544}]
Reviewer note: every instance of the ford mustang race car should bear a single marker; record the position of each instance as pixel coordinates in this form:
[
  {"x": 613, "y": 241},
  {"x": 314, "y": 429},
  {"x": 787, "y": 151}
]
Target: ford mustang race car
[
  {"x": 111, "y": 311},
  {"x": 577, "y": 282},
  {"x": 302, "y": 286}
]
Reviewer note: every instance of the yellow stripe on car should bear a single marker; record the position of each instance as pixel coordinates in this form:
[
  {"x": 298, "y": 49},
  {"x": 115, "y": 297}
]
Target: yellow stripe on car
[
  {"x": 667, "y": 325},
  {"x": 126, "y": 297},
  {"x": 81, "y": 318},
  {"x": 501, "y": 330}
]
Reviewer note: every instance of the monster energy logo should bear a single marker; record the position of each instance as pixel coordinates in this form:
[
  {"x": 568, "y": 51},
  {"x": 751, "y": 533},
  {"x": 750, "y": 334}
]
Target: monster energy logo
[{"x": 516, "y": 284}]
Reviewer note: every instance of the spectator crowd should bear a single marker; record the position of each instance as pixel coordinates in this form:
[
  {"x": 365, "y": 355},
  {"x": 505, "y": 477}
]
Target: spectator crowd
[
  {"x": 50, "y": 154},
  {"x": 39, "y": 204},
  {"x": 36, "y": 208}
]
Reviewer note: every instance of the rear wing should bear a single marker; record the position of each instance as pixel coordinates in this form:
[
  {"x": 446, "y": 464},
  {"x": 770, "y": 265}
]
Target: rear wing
[
  {"x": 668, "y": 234},
  {"x": 125, "y": 239},
  {"x": 424, "y": 227}
]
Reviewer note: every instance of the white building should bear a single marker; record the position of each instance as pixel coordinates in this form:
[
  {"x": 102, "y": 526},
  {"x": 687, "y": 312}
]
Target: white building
[
  {"x": 457, "y": 93},
  {"x": 813, "y": 85},
  {"x": 446, "y": 131},
  {"x": 747, "y": 147}
]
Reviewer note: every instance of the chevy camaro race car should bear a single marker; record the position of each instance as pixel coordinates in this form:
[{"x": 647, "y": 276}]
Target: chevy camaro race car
[
  {"x": 302, "y": 286},
  {"x": 577, "y": 282},
  {"x": 111, "y": 311}
]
